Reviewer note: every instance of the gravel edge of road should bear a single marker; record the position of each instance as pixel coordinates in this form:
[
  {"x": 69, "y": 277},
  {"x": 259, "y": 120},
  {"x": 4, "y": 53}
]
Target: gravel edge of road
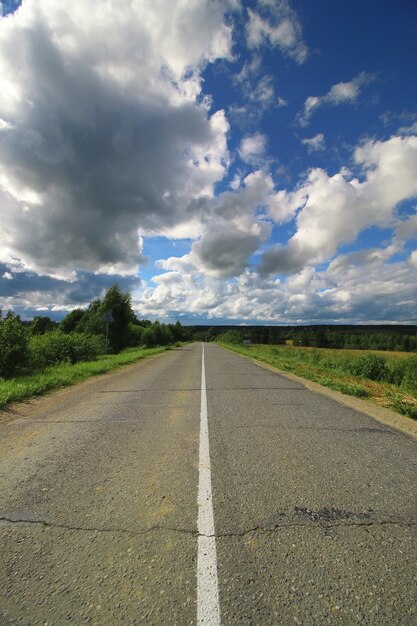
[{"x": 381, "y": 414}]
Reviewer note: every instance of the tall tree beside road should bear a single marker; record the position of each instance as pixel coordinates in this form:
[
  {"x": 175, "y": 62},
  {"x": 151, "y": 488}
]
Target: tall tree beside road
[{"x": 120, "y": 306}]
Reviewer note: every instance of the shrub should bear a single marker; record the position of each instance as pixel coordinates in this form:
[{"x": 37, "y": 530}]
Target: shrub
[
  {"x": 397, "y": 371},
  {"x": 58, "y": 347},
  {"x": 148, "y": 337},
  {"x": 157, "y": 335},
  {"x": 13, "y": 345},
  {"x": 372, "y": 366},
  {"x": 409, "y": 380},
  {"x": 163, "y": 334},
  {"x": 135, "y": 334}
]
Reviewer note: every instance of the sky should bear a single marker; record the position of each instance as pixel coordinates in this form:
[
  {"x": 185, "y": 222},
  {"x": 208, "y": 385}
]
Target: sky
[{"x": 225, "y": 161}]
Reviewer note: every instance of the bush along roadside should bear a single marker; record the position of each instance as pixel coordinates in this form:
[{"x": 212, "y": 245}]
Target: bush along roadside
[
  {"x": 106, "y": 326},
  {"x": 64, "y": 374},
  {"x": 57, "y": 347},
  {"x": 44, "y": 354}
]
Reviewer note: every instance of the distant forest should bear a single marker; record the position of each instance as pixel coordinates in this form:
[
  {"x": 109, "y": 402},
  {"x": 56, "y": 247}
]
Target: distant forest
[{"x": 387, "y": 337}]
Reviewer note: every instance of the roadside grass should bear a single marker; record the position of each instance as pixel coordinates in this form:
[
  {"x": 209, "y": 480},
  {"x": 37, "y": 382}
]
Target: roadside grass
[
  {"x": 65, "y": 374},
  {"x": 352, "y": 353},
  {"x": 336, "y": 369}
]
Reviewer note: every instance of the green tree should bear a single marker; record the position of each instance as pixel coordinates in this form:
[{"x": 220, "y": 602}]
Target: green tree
[
  {"x": 42, "y": 324},
  {"x": 177, "y": 331},
  {"x": 405, "y": 344},
  {"x": 320, "y": 338},
  {"x": 71, "y": 321},
  {"x": 135, "y": 334},
  {"x": 302, "y": 339},
  {"x": 163, "y": 334},
  {"x": 144, "y": 323},
  {"x": 148, "y": 337},
  {"x": 92, "y": 322},
  {"x": 120, "y": 306},
  {"x": 13, "y": 344}
]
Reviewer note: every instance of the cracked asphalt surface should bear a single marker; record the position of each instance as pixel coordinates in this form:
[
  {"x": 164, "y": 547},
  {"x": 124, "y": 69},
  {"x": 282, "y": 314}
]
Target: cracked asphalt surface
[{"x": 314, "y": 503}]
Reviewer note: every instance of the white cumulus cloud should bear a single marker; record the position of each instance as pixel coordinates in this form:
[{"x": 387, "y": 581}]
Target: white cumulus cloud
[
  {"x": 335, "y": 294},
  {"x": 340, "y": 93},
  {"x": 277, "y": 24},
  {"x": 315, "y": 144},
  {"x": 252, "y": 148},
  {"x": 333, "y": 210}
]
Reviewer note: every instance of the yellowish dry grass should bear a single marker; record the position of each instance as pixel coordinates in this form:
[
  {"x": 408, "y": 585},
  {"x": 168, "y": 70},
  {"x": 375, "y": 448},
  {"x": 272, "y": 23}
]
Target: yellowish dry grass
[{"x": 330, "y": 367}]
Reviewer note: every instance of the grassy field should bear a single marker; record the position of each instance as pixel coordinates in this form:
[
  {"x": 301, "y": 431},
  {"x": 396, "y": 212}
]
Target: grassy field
[
  {"x": 64, "y": 374},
  {"x": 350, "y": 371}
]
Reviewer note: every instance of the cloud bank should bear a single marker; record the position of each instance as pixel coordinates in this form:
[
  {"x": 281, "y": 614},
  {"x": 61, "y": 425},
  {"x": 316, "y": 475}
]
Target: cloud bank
[
  {"x": 104, "y": 133},
  {"x": 108, "y": 138}
]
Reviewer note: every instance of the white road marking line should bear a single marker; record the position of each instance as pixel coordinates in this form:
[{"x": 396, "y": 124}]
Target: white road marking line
[{"x": 208, "y": 605}]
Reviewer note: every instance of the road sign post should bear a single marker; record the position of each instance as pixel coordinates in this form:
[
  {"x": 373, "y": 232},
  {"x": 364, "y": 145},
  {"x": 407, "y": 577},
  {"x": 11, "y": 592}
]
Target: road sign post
[{"x": 108, "y": 317}]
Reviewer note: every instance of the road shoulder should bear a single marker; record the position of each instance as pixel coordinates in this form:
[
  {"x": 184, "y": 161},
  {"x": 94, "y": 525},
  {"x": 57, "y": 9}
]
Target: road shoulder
[{"x": 381, "y": 414}]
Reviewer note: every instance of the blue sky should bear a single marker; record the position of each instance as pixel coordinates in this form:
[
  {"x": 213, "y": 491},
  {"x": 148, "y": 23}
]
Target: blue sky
[{"x": 224, "y": 160}]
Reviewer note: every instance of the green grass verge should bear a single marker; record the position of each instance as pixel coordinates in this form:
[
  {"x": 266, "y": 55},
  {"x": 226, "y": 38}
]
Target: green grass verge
[
  {"x": 331, "y": 369},
  {"x": 64, "y": 374}
]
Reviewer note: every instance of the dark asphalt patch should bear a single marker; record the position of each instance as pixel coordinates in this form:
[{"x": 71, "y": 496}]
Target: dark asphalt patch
[{"x": 330, "y": 514}]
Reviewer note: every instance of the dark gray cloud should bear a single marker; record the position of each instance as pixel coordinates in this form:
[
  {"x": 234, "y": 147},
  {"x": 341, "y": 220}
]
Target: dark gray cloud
[
  {"x": 25, "y": 291},
  {"x": 225, "y": 251},
  {"x": 99, "y": 184},
  {"x": 97, "y": 144},
  {"x": 283, "y": 260}
]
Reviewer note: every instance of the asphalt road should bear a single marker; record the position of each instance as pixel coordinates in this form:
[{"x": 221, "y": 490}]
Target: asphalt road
[{"x": 314, "y": 504}]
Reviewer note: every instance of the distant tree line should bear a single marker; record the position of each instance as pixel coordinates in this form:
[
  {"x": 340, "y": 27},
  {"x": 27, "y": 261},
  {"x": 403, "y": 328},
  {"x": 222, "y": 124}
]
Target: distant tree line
[
  {"x": 27, "y": 347},
  {"x": 31, "y": 346},
  {"x": 357, "y": 341},
  {"x": 398, "y": 338}
]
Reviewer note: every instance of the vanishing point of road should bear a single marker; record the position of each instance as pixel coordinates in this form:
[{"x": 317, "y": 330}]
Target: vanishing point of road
[{"x": 199, "y": 488}]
